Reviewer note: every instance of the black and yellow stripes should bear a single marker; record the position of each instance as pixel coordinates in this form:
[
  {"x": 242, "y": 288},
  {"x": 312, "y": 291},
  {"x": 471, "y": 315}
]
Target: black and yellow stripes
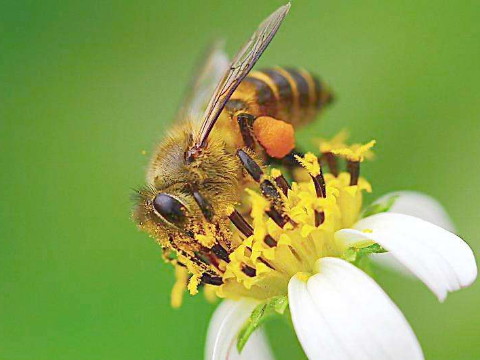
[
  {"x": 287, "y": 94},
  {"x": 284, "y": 89},
  {"x": 264, "y": 94}
]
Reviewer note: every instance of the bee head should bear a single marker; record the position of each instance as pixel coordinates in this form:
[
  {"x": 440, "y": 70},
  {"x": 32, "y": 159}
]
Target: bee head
[{"x": 186, "y": 197}]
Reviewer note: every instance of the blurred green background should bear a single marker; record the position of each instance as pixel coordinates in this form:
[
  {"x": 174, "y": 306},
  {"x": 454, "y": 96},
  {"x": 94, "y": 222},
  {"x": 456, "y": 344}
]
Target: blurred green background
[{"x": 85, "y": 86}]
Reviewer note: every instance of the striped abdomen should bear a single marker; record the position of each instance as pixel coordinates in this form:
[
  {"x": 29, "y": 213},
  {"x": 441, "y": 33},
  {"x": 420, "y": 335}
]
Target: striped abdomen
[{"x": 291, "y": 95}]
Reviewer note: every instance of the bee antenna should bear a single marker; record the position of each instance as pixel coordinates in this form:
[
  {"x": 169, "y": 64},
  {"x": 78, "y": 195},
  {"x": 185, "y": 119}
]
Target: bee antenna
[{"x": 141, "y": 193}]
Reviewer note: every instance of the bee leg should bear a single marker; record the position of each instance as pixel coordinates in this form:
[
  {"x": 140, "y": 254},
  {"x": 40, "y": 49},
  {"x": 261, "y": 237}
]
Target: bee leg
[
  {"x": 211, "y": 280},
  {"x": 203, "y": 204},
  {"x": 282, "y": 183},
  {"x": 207, "y": 211},
  {"x": 220, "y": 252},
  {"x": 253, "y": 169},
  {"x": 245, "y": 122},
  {"x": 240, "y": 223},
  {"x": 246, "y": 229},
  {"x": 200, "y": 261},
  {"x": 268, "y": 188}
]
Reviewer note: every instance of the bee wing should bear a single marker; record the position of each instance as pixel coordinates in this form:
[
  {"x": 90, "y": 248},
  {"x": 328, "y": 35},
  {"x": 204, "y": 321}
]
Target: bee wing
[
  {"x": 207, "y": 73},
  {"x": 239, "y": 68}
]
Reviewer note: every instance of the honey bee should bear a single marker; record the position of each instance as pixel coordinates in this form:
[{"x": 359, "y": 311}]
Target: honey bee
[{"x": 197, "y": 174}]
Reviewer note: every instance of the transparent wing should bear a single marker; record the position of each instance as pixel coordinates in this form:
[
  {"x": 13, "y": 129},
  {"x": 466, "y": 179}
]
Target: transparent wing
[
  {"x": 239, "y": 68},
  {"x": 207, "y": 73}
]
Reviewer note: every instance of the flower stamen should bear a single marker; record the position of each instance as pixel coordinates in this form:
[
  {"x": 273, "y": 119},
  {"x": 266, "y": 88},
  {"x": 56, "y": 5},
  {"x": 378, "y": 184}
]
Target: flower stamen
[
  {"x": 249, "y": 271},
  {"x": 270, "y": 241},
  {"x": 331, "y": 161},
  {"x": 353, "y": 167}
]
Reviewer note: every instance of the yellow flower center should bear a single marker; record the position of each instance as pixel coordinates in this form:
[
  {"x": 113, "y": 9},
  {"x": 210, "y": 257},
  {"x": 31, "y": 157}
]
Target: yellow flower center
[
  {"x": 260, "y": 268},
  {"x": 273, "y": 245}
]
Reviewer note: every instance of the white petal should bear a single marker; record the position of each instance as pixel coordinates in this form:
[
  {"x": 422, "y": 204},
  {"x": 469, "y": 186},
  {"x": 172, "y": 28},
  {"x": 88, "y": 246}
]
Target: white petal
[
  {"x": 226, "y": 322},
  {"x": 414, "y": 204},
  {"x": 442, "y": 260},
  {"x": 419, "y": 205},
  {"x": 387, "y": 260},
  {"x": 342, "y": 314}
]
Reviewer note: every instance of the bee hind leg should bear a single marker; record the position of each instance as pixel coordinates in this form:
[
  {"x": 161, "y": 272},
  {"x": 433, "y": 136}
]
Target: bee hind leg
[{"x": 245, "y": 123}]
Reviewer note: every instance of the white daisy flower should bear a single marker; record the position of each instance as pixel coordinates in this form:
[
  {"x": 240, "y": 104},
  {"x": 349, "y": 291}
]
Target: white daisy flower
[{"x": 314, "y": 265}]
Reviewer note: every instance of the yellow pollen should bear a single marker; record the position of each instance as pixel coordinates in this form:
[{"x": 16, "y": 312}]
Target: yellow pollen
[
  {"x": 181, "y": 279},
  {"x": 205, "y": 240},
  {"x": 310, "y": 163},
  {"x": 356, "y": 152},
  {"x": 275, "y": 173},
  {"x": 193, "y": 284}
]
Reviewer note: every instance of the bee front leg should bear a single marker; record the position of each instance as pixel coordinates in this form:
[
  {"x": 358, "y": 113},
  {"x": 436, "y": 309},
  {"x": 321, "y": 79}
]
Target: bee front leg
[
  {"x": 271, "y": 190},
  {"x": 245, "y": 122}
]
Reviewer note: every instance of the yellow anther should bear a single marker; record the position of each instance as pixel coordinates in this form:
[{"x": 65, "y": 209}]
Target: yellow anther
[
  {"x": 335, "y": 143},
  {"x": 310, "y": 163},
  {"x": 356, "y": 152},
  {"x": 206, "y": 240}
]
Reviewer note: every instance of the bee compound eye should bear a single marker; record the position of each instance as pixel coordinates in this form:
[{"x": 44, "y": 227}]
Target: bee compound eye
[{"x": 170, "y": 208}]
